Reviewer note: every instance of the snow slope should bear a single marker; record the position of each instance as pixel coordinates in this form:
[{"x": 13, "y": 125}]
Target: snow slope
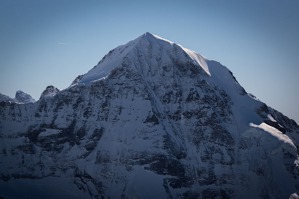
[{"x": 147, "y": 44}]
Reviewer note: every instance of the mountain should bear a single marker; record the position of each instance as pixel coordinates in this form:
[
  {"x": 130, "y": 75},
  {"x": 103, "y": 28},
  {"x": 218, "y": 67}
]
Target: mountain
[
  {"x": 50, "y": 91},
  {"x": 20, "y": 97},
  {"x": 151, "y": 120},
  {"x": 23, "y": 97},
  {"x": 5, "y": 98}
]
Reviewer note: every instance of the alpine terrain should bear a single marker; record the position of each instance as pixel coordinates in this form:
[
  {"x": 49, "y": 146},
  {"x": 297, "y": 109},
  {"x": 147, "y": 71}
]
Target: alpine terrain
[{"x": 151, "y": 120}]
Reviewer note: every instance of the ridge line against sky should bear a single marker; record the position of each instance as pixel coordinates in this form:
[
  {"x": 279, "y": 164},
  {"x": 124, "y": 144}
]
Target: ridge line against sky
[{"x": 51, "y": 42}]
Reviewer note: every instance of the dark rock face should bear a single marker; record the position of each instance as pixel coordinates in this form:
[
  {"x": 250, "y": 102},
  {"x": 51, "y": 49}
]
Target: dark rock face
[
  {"x": 50, "y": 91},
  {"x": 76, "y": 80},
  {"x": 168, "y": 132}
]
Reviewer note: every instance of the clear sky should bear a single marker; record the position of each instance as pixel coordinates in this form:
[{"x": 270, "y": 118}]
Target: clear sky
[{"x": 51, "y": 42}]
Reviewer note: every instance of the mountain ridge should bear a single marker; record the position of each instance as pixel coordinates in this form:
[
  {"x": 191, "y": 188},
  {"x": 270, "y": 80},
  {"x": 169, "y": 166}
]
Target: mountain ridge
[{"x": 20, "y": 97}]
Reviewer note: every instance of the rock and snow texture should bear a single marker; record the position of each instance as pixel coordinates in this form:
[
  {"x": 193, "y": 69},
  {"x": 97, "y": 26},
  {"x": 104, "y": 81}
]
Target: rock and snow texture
[
  {"x": 151, "y": 120},
  {"x": 76, "y": 80},
  {"x": 50, "y": 91},
  {"x": 22, "y": 97},
  {"x": 5, "y": 98}
]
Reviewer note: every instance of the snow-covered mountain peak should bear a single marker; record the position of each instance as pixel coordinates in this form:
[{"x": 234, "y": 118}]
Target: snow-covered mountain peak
[
  {"x": 153, "y": 37},
  {"x": 50, "y": 91},
  {"x": 20, "y": 98},
  {"x": 147, "y": 50},
  {"x": 23, "y": 97},
  {"x": 163, "y": 122}
]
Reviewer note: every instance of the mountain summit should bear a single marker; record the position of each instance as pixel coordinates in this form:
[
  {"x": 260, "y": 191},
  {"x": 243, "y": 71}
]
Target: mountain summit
[
  {"x": 23, "y": 97},
  {"x": 154, "y": 50},
  {"x": 151, "y": 120}
]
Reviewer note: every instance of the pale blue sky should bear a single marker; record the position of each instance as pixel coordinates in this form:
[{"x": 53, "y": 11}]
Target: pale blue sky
[{"x": 51, "y": 42}]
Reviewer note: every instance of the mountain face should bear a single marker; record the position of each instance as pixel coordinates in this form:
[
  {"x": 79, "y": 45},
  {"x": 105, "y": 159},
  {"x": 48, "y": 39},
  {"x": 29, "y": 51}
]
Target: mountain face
[
  {"x": 151, "y": 120},
  {"x": 22, "y": 97},
  {"x": 5, "y": 98}
]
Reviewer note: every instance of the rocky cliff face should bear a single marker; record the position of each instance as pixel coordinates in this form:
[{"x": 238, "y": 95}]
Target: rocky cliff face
[
  {"x": 151, "y": 120},
  {"x": 50, "y": 91}
]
